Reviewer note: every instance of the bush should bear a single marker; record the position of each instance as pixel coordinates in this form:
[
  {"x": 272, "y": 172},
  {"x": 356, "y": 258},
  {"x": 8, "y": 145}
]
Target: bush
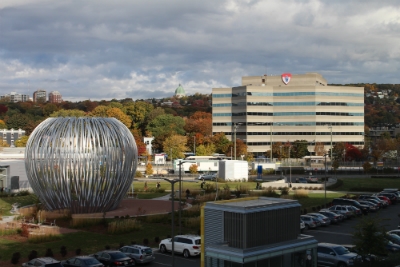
[
  {"x": 138, "y": 174},
  {"x": 285, "y": 191},
  {"x": 300, "y": 193},
  {"x": 85, "y": 222},
  {"x": 145, "y": 242},
  {"x": 78, "y": 251},
  {"x": 49, "y": 253},
  {"x": 32, "y": 255},
  {"x": 63, "y": 251},
  {"x": 107, "y": 247},
  {"x": 15, "y": 258},
  {"x": 269, "y": 192},
  {"x": 23, "y": 193},
  {"x": 124, "y": 226},
  {"x": 127, "y": 216}
]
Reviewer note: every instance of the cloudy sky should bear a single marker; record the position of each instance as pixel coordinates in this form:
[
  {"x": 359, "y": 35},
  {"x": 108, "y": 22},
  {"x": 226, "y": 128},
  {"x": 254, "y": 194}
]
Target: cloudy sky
[{"x": 140, "y": 49}]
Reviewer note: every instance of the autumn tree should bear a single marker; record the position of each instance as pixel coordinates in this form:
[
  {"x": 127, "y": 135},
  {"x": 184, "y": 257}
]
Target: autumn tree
[
  {"x": 155, "y": 113},
  {"x": 319, "y": 149},
  {"x": 165, "y": 124},
  {"x": 199, "y": 122},
  {"x": 352, "y": 153},
  {"x": 17, "y": 121},
  {"x": 68, "y": 113},
  {"x": 22, "y": 141},
  {"x": 176, "y": 143},
  {"x": 138, "y": 111},
  {"x": 221, "y": 143},
  {"x": 49, "y": 109},
  {"x": 367, "y": 166},
  {"x": 139, "y": 143},
  {"x": 149, "y": 169},
  {"x": 300, "y": 148},
  {"x": 119, "y": 115},
  {"x": 193, "y": 168},
  {"x": 99, "y": 111},
  {"x": 241, "y": 149},
  {"x": 3, "y": 109},
  {"x": 205, "y": 150}
]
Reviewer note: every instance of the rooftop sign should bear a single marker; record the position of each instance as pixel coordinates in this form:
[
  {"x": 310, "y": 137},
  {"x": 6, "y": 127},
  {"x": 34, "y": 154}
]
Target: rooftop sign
[{"x": 286, "y": 77}]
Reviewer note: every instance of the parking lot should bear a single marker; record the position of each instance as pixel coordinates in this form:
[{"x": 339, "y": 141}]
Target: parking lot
[{"x": 180, "y": 261}]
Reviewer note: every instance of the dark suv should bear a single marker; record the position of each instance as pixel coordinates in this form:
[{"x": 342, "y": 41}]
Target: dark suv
[
  {"x": 350, "y": 202},
  {"x": 43, "y": 262},
  {"x": 113, "y": 258}
]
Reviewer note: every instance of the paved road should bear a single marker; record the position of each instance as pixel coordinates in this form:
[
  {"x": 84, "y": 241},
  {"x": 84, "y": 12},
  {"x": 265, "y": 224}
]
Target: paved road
[{"x": 180, "y": 261}]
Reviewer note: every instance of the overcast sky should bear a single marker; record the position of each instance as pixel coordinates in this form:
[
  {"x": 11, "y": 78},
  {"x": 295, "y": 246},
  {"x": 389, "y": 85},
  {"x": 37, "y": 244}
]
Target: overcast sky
[{"x": 143, "y": 49}]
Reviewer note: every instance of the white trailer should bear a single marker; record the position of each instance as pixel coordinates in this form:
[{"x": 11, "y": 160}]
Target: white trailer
[
  {"x": 265, "y": 165},
  {"x": 202, "y": 165},
  {"x": 233, "y": 170}
]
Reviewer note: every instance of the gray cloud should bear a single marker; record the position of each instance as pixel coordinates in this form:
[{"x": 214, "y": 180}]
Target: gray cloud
[{"x": 117, "y": 49}]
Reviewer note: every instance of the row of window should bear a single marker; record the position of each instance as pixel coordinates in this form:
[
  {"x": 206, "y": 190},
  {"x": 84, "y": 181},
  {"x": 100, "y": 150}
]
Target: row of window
[
  {"x": 307, "y": 123},
  {"x": 296, "y": 133},
  {"x": 288, "y": 104},
  {"x": 310, "y": 144},
  {"x": 288, "y": 94},
  {"x": 287, "y": 114}
]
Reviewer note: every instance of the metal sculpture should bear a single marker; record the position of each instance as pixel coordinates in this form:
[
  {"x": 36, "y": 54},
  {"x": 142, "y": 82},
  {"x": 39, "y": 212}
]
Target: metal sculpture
[{"x": 83, "y": 164}]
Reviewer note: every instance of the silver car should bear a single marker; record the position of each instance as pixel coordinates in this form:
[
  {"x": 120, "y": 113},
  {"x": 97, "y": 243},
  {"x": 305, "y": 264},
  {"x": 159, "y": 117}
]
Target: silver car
[
  {"x": 334, "y": 255},
  {"x": 322, "y": 218},
  {"x": 139, "y": 254},
  {"x": 208, "y": 176}
]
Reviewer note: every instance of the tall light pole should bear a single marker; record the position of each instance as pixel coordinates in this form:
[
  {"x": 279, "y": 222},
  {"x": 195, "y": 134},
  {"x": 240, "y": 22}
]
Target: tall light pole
[
  {"x": 270, "y": 135},
  {"x": 325, "y": 173},
  {"x": 235, "y": 127},
  {"x": 290, "y": 166},
  {"x": 330, "y": 127}
]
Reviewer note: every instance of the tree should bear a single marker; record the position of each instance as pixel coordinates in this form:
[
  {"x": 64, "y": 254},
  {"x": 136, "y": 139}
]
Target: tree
[
  {"x": 241, "y": 149},
  {"x": 300, "y": 148},
  {"x": 3, "y": 109},
  {"x": 352, "y": 153},
  {"x": 49, "y": 109},
  {"x": 386, "y": 135},
  {"x": 367, "y": 166},
  {"x": 319, "y": 149},
  {"x": 17, "y": 121},
  {"x": 100, "y": 111},
  {"x": 205, "y": 150},
  {"x": 339, "y": 149},
  {"x": 165, "y": 124},
  {"x": 369, "y": 236},
  {"x": 2, "y": 125},
  {"x": 149, "y": 169},
  {"x": 119, "y": 115},
  {"x": 193, "y": 168},
  {"x": 335, "y": 165},
  {"x": 221, "y": 143},
  {"x": 22, "y": 141},
  {"x": 178, "y": 145},
  {"x": 138, "y": 139},
  {"x": 199, "y": 122},
  {"x": 68, "y": 113},
  {"x": 155, "y": 113}
]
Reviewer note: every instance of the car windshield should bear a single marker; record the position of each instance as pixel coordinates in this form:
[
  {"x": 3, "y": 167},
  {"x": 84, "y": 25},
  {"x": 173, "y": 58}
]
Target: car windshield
[
  {"x": 197, "y": 241},
  {"x": 92, "y": 262},
  {"x": 54, "y": 265},
  {"x": 117, "y": 255},
  {"x": 147, "y": 251},
  {"x": 341, "y": 250}
]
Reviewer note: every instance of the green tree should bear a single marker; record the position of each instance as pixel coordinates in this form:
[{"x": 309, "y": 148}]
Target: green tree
[
  {"x": 17, "y": 121},
  {"x": 205, "y": 150},
  {"x": 22, "y": 141},
  {"x": 386, "y": 135},
  {"x": 367, "y": 166},
  {"x": 49, "y": 109},
  {"x": 369, "y": 235},
  {"x": 339, "y": 149},
  {"x": 176, "y": 143},
  {"x": 165, "y": 124},
  {"x": 155, "y": 113},
  {"x": 68, "y": 113},
  {"x": 221, "y": 143},
  {"x": 139, "y": 111},
  {"x": 300, "y": 148}
]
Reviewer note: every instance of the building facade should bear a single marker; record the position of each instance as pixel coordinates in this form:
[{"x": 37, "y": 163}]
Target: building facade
[
  {"x": 15, "y": 97},
  {"x": 10, "y": 136},
  {"x": 55, "y": 97},
  {"x": 254, "y": 232},
  {"x": 270, "y": 109},
  {"x": 40, "y": 94},
  {"x": 376, "y": 131}
]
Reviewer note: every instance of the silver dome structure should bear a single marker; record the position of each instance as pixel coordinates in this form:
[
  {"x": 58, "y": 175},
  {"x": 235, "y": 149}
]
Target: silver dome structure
[{"x": 83, "y": 164}]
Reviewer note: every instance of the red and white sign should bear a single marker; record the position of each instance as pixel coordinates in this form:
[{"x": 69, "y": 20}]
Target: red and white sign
[
  {"x": 316, "y": 169},
  {"x": 286, "y": 77}
]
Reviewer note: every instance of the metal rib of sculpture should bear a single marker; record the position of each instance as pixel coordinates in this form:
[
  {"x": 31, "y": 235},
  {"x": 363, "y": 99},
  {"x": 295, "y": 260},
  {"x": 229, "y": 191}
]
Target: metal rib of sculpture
[{"x": 83, "y": 164}]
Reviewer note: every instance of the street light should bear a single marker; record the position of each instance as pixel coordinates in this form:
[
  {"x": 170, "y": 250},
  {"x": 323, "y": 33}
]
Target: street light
[
  {"x": 235, "y": 127},
  {"x": 172, "y": 182},
  {"x": 330, "y": 127},
  {"x": 334, "y": 154}
]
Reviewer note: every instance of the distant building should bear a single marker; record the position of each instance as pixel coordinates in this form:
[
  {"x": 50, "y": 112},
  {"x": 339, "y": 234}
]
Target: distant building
[
  {"x": 15, "y": 97},
  {"x": 147, "y": 141},
  {"x": 10, "y": 136},
  {"x": 55, "y": 97},
  {"x": 180, "y": 92},
  {"x": 376, "y": 131},
  {"x": 167, "y": 103},
  {"x": 40, "y": 94}
]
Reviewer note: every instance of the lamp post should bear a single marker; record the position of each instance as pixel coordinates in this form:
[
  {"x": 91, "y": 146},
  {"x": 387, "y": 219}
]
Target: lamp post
[
  {"x": 325, "y": 173},
  {"x": 290, "y": 166},
  {"x": 270, "y": 135},
  {"x": 235, "y": 127},
  {"x": 330, "y": 127}
]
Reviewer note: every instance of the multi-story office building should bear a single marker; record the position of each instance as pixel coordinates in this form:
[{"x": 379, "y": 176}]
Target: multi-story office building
[
  {"x": 55, "y": 97},
  {"x": 15, "y": 97},
  {"x": 255, "y": 232},
  {"x": 40, "y": 94},
  {"x": 270, "y": 109}
]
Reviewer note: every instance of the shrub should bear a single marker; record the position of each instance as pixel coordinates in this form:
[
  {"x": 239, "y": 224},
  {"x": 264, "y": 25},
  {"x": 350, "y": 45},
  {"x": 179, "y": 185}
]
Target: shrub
[
  {"x": 85, "y": 222},
  {"x": 116, "y": 217},
  {"x": 269, "y": 192},
  {"x": 209, "y": 188},
  {"x": 125, "y": 226},
  {"x": 145, "y": 242},
  {"x": 313, "y": 209},
  {"x": 15, "y": 258},
  {"x": 284, "y": 191},
  {"x": 138, "y": 174},
  {"x": 49, "y": 253},
  {"x": 157, "y": 239},
  {"x": 32, "y": 255},
  {"x": 127, "y": 216},
  {"x": 78, "y": 251},
  {"x": 63, "y": 251},
  {"x": 300, "y": 193}
]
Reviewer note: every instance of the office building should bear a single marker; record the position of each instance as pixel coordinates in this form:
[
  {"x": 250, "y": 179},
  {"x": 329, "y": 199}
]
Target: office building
[
  {"x": 15, "y": 97},
  {"x": 270, "y": 109},
  {"x": 40, "y": 94},
  {"x": 375, "y": 132},
  {"x": 55, "y": 97},
  {"x": 255, "y": 231}
]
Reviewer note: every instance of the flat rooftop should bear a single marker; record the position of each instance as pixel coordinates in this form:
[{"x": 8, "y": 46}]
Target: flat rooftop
[{"x": 252, "y": 203}]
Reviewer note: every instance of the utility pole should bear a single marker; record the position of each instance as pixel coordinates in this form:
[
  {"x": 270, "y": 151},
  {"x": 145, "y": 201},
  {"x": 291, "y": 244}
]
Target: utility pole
[
  {"x": 290, "y": 166},
  {"x": 270, "y": 135},
  {"x": 235, "y": 127}
]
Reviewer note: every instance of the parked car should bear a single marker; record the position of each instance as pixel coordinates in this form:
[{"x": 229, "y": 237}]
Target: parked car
[
  {"x": 392, "y": 247},
  {"x": 208, "y": 176},
  {"x": 83, "y": 261},
  {"x": 383, "y": 204},
  {"x": 340, "y": 216},
  {"x": 188, "y": 245},
  {"x": 345, "y": 210},
  {"x": 325, "y": 221},
  {"x": 301, "y": 180},
  {"x": 372, "y": 206},
  {"x": 332, "y": 216},
  {"x": 350, "y": 202},
  {"x": 139, "y": 254},
  {"x": 142, "y": 164},
  {"x": 394, "y": 232},
  {"x": 393, "y": 197},
  {"x": 113, "y": 258},
  {"x": 310, "y": 222},
  {"x": 302, "y": 226},
  {"x": 312, "y": 179},
  {"x": 334, "y": 255},
  {"x": 364, "y": 257},
  {"x": 394, "y": 238},
  {"x": 392, "y": 191},
  {"x": 356, "y": 211},
  {"x": 43, "y": 262},
  {"x": 385, "y": 199}
]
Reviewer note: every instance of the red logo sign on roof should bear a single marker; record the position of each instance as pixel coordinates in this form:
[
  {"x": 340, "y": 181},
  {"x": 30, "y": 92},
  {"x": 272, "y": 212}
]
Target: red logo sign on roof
[{"x": 286, "y": 77}]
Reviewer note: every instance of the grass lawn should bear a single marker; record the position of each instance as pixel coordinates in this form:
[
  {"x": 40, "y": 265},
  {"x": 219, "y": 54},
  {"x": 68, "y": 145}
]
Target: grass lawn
[
  {"x": 368, "y": 184},
  {"x": 6, "y": 202},
  {"x": 88, "y": 242},
  {"x": 317, "y": 199}
]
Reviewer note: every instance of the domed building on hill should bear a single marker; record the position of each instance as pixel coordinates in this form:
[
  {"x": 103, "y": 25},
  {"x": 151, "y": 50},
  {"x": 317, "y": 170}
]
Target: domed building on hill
[{"x": 180, "y": 92}]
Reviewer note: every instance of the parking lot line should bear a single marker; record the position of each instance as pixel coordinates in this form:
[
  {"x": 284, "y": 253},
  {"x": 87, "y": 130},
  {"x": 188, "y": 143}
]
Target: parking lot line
[{"x": 327, "y": 232}]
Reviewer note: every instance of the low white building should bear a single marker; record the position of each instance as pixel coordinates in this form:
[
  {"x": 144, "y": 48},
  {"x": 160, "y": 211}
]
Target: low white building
[
  {"x": 12, "y": 169},
  {"x": 149, "y": 147}
]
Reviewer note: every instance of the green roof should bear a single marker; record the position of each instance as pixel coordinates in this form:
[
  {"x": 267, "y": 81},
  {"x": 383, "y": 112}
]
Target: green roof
[{"x": 180, "y": 91}]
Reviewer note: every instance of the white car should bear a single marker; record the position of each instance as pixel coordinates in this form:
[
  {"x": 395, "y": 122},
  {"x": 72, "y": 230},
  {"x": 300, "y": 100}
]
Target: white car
[{"x": 188, "y": 245}]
